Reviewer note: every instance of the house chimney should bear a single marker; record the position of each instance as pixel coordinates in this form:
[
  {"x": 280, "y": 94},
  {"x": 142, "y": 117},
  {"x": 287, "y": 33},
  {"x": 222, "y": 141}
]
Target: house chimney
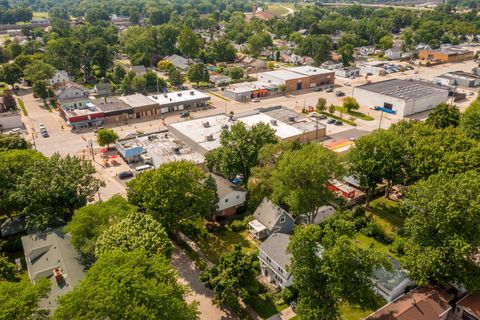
[{"x": 57, "y": 272}]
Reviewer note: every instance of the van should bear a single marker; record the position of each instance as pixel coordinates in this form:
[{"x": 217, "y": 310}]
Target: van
[{"x": 143, "y": 168}]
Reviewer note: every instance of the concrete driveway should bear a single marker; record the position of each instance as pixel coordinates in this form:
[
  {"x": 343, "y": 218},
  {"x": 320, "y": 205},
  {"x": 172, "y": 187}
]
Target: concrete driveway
[{"x": 188, "y": 275}]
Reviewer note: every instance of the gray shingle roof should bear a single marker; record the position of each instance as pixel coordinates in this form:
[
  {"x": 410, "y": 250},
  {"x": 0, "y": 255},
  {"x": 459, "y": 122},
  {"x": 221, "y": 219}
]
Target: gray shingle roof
[
  {"x": 224, "y": 186},
  {"x": 275, "y": 247},
  {"x": 268, "y": 213}
]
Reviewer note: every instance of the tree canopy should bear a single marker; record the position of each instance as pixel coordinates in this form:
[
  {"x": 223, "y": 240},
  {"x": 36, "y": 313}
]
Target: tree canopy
[
  {"x": 137, "y": 231},
  {"x": 238, "y": 152},
  {"x": 105, "y": 136},
  {"x": 19, "y": 300},
  {"x": 444, "y": 116},
  {"x": 90, "y": 221},
  {"x": 127, "y": 285},
  {"x": 171, "y": 193},
  {"x": 443, "y": 223},
  {"x": 470, "y": 120}
]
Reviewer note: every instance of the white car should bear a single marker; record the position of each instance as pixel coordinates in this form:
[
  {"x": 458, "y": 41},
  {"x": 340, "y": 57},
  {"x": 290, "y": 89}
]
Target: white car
[
  {"x": 41, "y": 126},
  {"x": 255, "y": 100},
  {"x": 313, "y": 115}
]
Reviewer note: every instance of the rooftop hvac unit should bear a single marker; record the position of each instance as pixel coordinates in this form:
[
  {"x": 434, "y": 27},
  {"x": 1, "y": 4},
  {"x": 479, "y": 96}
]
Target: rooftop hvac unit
[
  {"x": 206, "y": 124},
  {"x": 192, "y": 92},
  {"x": 179, "y": 94},
  {"x": 176, "y": 149},
  {"x": 165, "y": 95},
  {"x": 209, "y": 137},
  {"x": 225, "y": 127},
  {"x": 291, "y": 118},
  {"x": 273, "y": 122}
]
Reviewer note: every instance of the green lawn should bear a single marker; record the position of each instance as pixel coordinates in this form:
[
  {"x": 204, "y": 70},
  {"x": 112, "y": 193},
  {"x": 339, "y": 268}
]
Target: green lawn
[
  {"x": 220, "y": 240},
  {"x": 266, "y": 304},
  {"x": 276, "y": 10},
  {"x": 341, "y": 119},
  {"x": 356, "y": 114},
  {"x": 38, "y": 15},
  {"x": 365, "y": 243},
  {"x": 388, "y": 210},
  {"x": 349, "y": 312}
]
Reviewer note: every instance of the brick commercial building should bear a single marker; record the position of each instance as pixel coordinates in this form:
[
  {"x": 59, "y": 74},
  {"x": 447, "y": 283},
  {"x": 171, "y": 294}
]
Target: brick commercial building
[
  {"x": 317, "y": 77},
  {"x": 299, "y": 78},
  {"x": 445, "y": 56}
]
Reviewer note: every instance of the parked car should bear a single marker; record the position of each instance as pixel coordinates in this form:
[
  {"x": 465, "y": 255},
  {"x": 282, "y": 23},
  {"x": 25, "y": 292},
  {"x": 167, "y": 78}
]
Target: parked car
[
  {"x": 338, "y": 123},
  {"x": 313, "y": 115},
  {"x": 255, "y": 100},
  {"x": 125, "y": 175},
  {"x": 45, "y": 134},
  {"x": 184, "y": 114},
  {"x": 322, "y": 116},
  {"x": 331, "y": 121},
  {"x": 339, "y": 93},
  {"x": 317, "y": 89},
  {"x": 41, "y": 126},
  {"x": 329, "y": 89}
]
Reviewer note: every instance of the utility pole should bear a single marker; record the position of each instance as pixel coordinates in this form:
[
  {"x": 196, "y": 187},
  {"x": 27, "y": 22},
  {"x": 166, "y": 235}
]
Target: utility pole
[
  {"x": 90, "y": 144},
  {"x": 381, "y": 118},
  {"x": 33, "y": 139},
  {"x": 316, "y": 129}
]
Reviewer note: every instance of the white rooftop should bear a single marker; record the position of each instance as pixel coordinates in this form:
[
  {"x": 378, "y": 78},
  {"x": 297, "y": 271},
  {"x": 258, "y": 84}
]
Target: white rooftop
[
  {"x": 309, "y": 70},
  {"x": 282, "y": 129},
  {"x": 284, "y": 74},
  {"x": 136, "y": 100},
  {"x": 197, "y": 130},
  {"x": 178, "y": 97},
  {"x": 250, "y": 86}
]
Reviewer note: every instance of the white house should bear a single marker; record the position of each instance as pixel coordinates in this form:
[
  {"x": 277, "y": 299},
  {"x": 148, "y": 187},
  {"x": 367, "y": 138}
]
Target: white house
[
  {"x": 60, "y": 76},
  {"x": 393, "y": 53},
  {"x": 274, "y": 260},
  {"x": 230, "y": 196}
]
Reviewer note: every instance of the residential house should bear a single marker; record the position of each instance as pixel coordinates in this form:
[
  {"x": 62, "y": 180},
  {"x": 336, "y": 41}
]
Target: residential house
[
  {"x": 230, "y": 196},
  {"x": 422, "y": 46},
  {"x": 393, "y": 53},
  {"x": 10, "y": 120},
  {"x": 219, "y": 79},
  {"x": 60, "y": 76},
  {"x": 274, "y": 260},
  {"x": 331, "y": 65},
  {"x": 468, "y": 308},
  {"x": 269, "y": 218},
  {"x": 323, "y": 213},
  {"x": 139, "y": 70},
  {"x": 422, "y": 303},
  {"x": 179, "y": 62},
  {"x": 103, "y": 89},
  {"x": 71, "y": 95},
  {"x": 50, "y": 255},
  {"x": 391, "y": 284},
  {"x": 366, "y": 50}
]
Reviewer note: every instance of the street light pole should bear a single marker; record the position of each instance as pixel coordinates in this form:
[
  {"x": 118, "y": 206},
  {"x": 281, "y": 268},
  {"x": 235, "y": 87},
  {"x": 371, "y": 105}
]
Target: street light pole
[
  {"x": 381, "y": 118},
  {"x": 90, "y": 144}
]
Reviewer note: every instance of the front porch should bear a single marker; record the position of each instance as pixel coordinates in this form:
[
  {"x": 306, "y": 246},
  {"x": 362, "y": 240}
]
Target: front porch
[{"x": 257, "y": 229}]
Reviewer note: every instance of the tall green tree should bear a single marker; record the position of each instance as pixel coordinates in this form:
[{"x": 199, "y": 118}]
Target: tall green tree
[
  {"x": 198, "y": 73},
  {"x": 189, "y": 43},
  {"x": 238, "y": 152},
  {"x": 128, "y": 285},
  {"x": 321, "y": 104},
  {"x": 470, "y": 120},
  {"x": 137, "y": 231},
  {"x": 10, "y": 73},
  {"x": 53, "y": 188},
  {"x": 105, "y": 137},
  {"x": 444, "y": 116},
  {"x": 42, "y": 90},
  {"x": 37, "y": 71},
  {"x": 443, "y": 225},
  {"x": 347, "y": 52},
  {"x": 318, "y": 47},
  {"x": 9, "y": 102},
  {"x": 350, "y": 104},
  {"x": 258, "y": 42},
  {"x": 386, "y": 42},
  {"x": 171, "y": 193},
  {"x": 175, "y": 77},
  {"x": 321, "y": 265},
  {"x": 90, "y": 221},
  {"x": 223, "y": 50},
  {"x": 230, "y": 277},
  {"x": 301, "y": 177},
  {"x": 19, "y": 300},
  {"x": 8, "y": 270}
]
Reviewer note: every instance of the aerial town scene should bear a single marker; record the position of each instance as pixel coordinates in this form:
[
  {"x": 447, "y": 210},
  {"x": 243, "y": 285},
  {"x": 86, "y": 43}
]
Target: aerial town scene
[{"x": 240, "y": 159}]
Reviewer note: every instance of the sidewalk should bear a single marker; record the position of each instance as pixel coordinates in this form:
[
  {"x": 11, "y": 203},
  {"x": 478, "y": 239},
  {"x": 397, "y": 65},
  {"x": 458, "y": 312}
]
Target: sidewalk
[{"x": 285, "y": 314}]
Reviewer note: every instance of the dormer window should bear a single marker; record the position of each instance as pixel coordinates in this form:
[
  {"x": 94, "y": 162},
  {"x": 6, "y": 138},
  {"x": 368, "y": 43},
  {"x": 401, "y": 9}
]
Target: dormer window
[{"x": 282, "y": 219}]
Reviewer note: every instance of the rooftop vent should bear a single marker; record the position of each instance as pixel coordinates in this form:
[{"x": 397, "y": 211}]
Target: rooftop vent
[
  {"x": 179, "y": 94},
  {"x": 209, "y": 137},
  {"x": 291, "y": 118},
  {"x": 192, "y": 92},
  {"x": 176, "y": 150},
  {"x": 225, "y": 127},
  {"x": 206, "y": 124},
  {"x": 273, "y": 122},
  {"x": 165, "y": 95}
]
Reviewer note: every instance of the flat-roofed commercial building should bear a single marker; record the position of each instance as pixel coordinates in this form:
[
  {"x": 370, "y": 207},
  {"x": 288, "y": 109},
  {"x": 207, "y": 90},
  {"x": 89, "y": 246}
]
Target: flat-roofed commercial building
[
  {"x": 447, "y": 55},
  {"x": 114, "y": 109},
  {"x": 404, "y": 97},
  {"x": 141, "y": 105},
  {"x": 203, "y": 134},
  {"x": 246, "y": 91},
  {"x": 292, "y": 81},
  {"x": 317, "y": 77},
  {"x": 180, "y": 100}
]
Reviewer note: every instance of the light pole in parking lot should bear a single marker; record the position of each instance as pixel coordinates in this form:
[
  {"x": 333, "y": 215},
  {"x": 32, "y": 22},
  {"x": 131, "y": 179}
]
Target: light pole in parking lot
[{"x": 90, "y": 144}]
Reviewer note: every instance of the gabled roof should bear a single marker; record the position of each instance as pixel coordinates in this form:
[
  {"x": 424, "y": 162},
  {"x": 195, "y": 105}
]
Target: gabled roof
[
  {"x": 275, "y": 247},
  {"x": 103, "y": 88},
  {"x": 268, "y": 213},
  {"x": 471, "y": 303},
  {"x": 47, "y": 251},
  {"x": 178, "y": 61},
  {"x": 422, "y": 303},
  {"x": 138, "y": 69}
]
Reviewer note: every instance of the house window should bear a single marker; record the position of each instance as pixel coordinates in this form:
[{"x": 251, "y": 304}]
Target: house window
[
  {"x": 269, "y": 260},
  {"x": 226, "y": 200},
  {"x": 280, "y": 269},
  {"x": 280, "y": 280},
  {"x": 282, "y": 219},
  {"x": 238, "y": 197}
]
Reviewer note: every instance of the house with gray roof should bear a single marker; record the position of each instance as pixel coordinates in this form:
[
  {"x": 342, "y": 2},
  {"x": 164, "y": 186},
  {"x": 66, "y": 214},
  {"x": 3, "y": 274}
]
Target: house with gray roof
[
  {"x": 50, "y": 255},
  {"x": 269, "y": 218},
  {"x": 391, "y": 284},
  {"x": 139, "y": 70},
  {"x": 274, "y": 260},
  {"x": 178, "y": 61},
  {"x": 103, "y": 89},
  {"x": 230, "y": 196}
]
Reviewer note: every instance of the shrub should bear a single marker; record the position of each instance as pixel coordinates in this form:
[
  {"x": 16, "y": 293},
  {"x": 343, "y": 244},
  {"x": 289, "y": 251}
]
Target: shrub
[
  {"x": 193, "y": 232},
  {"x": 358, "y": 212},
  {"x": 372, "y": 229},
  {"x": 288, "y": 294},
  {"x": 237, "y": 225},
  {"x": 398, "y": 246},
  {"x": 240, "y": 210}
]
